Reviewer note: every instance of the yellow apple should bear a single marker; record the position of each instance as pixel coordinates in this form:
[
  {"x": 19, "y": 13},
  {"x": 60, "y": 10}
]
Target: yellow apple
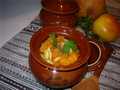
[{"x": 107, "y": 27}]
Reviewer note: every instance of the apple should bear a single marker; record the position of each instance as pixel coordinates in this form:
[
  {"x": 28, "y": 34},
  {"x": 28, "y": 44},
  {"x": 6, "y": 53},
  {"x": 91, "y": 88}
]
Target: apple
[{"x": 107, "y": 27}]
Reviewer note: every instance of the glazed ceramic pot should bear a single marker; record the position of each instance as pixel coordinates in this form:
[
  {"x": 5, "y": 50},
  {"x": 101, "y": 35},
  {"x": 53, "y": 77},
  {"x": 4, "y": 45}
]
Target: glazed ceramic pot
[
  {"x": 53, "y": 19},
  {"x": 58, "y": 12},
  {"x": 58, "y": 77},
  {"x": 60, "y": 6}
]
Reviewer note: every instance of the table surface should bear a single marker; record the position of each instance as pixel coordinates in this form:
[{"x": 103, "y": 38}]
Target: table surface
[{"x": 14, "y": 15}]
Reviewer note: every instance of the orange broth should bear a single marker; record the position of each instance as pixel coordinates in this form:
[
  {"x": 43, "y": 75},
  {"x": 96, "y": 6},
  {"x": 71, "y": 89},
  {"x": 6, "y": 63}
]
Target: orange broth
[{"x": 54, "y": 54}]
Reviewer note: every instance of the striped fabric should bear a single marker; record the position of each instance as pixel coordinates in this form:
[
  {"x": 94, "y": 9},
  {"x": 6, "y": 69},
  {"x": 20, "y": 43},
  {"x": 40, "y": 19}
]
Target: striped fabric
[{"x": 15, "y": 73}]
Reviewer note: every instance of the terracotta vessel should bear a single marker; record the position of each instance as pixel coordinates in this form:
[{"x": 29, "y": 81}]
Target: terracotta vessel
[
  {"x": 60, "y": 6},
  {"x": 58, "y": 77},
  {"x": 58, "y": 12},
  {"x": 51, "y": 19}
]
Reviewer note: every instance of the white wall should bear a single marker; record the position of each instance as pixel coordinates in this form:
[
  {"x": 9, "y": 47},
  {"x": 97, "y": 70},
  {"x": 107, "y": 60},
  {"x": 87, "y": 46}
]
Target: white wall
[{"x": 15, "y": 15}]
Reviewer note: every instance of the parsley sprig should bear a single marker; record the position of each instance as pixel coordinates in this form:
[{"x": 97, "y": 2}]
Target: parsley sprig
[
  {"x": 86, "y": 23},
  {"x": 68, "y": 44}
]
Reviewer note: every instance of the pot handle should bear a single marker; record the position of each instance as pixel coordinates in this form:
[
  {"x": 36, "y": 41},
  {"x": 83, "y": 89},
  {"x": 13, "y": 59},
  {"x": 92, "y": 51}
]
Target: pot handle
[
  {"x": 99, "y": 55},
  {"x": 100, "y": 52}
]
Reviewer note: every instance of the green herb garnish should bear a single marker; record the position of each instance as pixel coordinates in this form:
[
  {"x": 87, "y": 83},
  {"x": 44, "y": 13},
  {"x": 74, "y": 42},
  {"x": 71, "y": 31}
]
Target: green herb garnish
[
  {"x": 69, "y": 45},
  {"x": 86, "y": 24}
]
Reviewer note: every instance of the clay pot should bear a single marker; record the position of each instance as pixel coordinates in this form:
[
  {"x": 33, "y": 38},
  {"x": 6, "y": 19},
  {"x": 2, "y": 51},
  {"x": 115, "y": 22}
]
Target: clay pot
[
  {"x": 60, "y": 6},
  {"x": 58, "y": 77},
  {"x": 58, "y": 12},
  {"x": 52, "y": 19}
]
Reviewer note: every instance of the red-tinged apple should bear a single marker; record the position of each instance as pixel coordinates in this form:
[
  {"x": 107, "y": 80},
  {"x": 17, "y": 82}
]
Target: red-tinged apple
[{"x": 107, "y": 27}]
